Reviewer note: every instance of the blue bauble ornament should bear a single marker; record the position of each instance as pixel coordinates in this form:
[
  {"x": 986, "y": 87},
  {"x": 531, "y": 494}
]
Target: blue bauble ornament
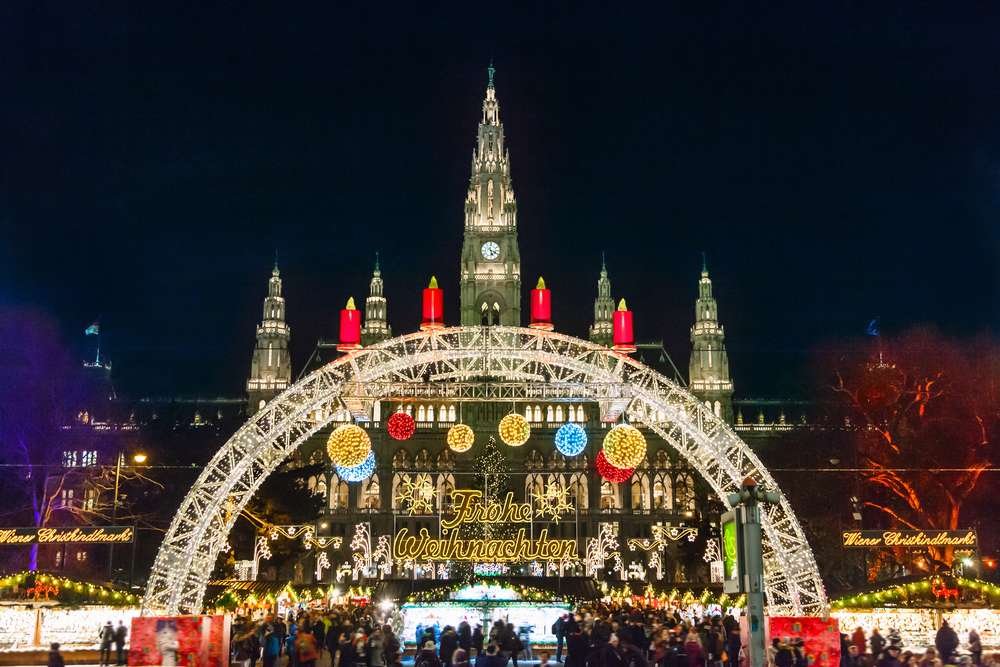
[
  {"x": 571, "y": 439},
  {"x": 358, "y": 473}
]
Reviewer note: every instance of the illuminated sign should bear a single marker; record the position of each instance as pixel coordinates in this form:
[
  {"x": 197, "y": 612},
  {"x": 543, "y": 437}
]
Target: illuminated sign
[
  {"x": 877, "y": 539},
  {"x": 77, "y": 534},
  {"x": 469, "y": 509},
  {"x": 730, "y": 553}
]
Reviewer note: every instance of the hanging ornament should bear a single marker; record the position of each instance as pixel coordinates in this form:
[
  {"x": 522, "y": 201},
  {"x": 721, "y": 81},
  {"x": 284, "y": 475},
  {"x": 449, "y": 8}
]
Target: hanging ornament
[
  {"x": 401, "y": 426},
  {"x": 624, "y": 446},
  {"x": 514, "y": 430},
  {"x": 610, "y": 472},
  {"x": 460, "y": 438},
  {"x": 348, "y": 446},
  {"x": 358, "y": 473},
  {"x": 571, "y": 439}
]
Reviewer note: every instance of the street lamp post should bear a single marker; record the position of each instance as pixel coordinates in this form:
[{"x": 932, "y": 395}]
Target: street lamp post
[{"x": 139, "y": 458}]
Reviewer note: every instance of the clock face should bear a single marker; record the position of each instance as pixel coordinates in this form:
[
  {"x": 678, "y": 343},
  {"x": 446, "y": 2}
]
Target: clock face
[{"x": 490, "y": 250}]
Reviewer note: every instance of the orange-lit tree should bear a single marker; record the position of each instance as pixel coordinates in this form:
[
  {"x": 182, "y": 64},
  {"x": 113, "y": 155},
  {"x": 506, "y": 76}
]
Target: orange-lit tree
[{"x": 925, "y": 412}]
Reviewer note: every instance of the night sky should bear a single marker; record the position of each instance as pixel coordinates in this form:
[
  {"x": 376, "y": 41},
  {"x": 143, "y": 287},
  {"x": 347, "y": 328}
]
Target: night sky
[{"x": 836, "y": 163}]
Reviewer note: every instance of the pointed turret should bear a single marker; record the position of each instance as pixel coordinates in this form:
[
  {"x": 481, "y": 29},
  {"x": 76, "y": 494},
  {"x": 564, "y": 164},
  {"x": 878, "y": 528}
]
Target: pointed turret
[
  {"x": 490, "y": 274},
  {"x": 709, "y": 368},
  {"x": 271, "y": 364},
  {"x": 376, "y": 319},
  {"x": 601, "y": 330}
]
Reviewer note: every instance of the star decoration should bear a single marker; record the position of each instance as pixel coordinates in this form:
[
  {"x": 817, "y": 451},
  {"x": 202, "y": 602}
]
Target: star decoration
[
  {"x": 554, "y": 502},
  {"x": 417, "y": 495}
]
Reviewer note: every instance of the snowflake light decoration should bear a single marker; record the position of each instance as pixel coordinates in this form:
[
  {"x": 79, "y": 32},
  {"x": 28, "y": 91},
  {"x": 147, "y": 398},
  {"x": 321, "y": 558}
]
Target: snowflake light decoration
[
  {"x": 554, "y": 502},
  {"x": 417, "y": 495}
]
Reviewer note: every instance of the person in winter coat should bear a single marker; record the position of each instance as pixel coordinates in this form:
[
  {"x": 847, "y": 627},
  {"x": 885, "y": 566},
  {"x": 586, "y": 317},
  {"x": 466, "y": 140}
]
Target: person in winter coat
[
  {"x": 460, "y": 658},
  {"x": 877, "y": 643},
  {"x": 449, "y": 642},
  {"x": 121, "y": 632},
  {"x": 55, "y": 657},
  {"x": 272, "y": 647},
  {"x": 946, "y": 642},
  {"x": 859, "y": 640},
  {"x": 491, "y": 657},
  {"x": 376, "y": 648},
  {"x": 577, "y": 645},
  {"x": 632, "y": 655},
  {"x": 465, "y": 636},
  {"x": 107, "y": 637},
  {"x": 975, "y": 647},
  {"x": 427, "y": 657},
  {"x": 478, "y": 639},
  {"x": 695, "y": 653},
  {"x": 390, "y": 645},
  {"x": 306, "y": 650},
  {"x": 606, "y": 654}
]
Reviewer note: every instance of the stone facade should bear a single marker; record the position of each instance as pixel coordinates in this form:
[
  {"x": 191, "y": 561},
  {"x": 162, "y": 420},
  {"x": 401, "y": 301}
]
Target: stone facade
[{"x": 271, "y": 364}]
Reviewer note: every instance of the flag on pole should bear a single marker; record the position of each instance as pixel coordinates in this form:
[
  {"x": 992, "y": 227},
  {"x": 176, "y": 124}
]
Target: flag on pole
[
  {"x": 93, "y": 330},
  {"x": 872, "y": 328}
]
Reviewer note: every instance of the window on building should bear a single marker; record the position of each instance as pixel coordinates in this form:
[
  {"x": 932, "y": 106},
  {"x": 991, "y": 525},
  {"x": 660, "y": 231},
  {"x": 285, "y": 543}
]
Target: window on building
[
  {"x": 81, "y": 556},
  {"x": 59, "y": 559},
  {"x": 90, "y": 500},
  {"x": 430, "y": 413},
  {"x": 718, "y": 409},
  {"x": 66, "y": 498},
  {"x": 451, "y": 413},
  {"x": 339, "y": 493},
  {"x": 69, "y": 459},
  {"x": 559, "y": 413},
  {"x": 370, "y": 498},
  {"x": 538, "y": 413},
  {"x": 549, "y": 414},
  {"x": 662, "y": 497},
  {"x": 88, "y": 458},
  {"x": 572, "y": 413},
  {"x": 609, "y": 496},
  {"x": 528, "y": 413},
  {"x": 578, "y": 487},
  {"x": 684, "y": 493},
  {"x": 640, "y": 491},
  {"x": 421, "y": 414}
]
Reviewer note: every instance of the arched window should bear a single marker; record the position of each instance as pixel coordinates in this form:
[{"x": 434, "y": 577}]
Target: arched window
[
  {"x": 339, "y": 493},
  {"x": 430, "y": 413},
  {"x": 580, "y": 416},
  {"x": 640, "y": 491},
  {"x": 662, "y": 459},
  {"x": 409, "y": 410},
  {"x": 578, "y": 488},
  {"x": 311, "y": 484},
  {"x": 400, "y": 460},
  {"x": 549, "y": 414},
  {"x": 559, "y": 413},
  {"x": 538, "y": 413},
  {"x": 370, "y": 500},
  {"x": 684, "y": 492},
  {"x": 718, "y": 409},
  {"x": 662, "y": 496},
  {"x": 528, "y": 413},
  {"x": 445, "y": 485},
  {"x": 609, "y": 496},
  {"x": 260, "y": 406},
  {"x": 421, "y": 414},
  {"x": 451, "y": 413},
  {"x": 572, "y": 414},
  {"x": 533, "y": 487},
  {"x": 397, "y": 480}
]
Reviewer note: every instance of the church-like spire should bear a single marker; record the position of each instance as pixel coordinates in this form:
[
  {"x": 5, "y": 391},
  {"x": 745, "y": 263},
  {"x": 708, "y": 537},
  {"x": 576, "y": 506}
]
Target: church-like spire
[
  {"x": 490, "y": 272},
  {"x": 376, "y": 323},
  {"x": 709, "y": 367},
  {"x": 601, "y": 331},
  {"x": 270, "y": 365}
]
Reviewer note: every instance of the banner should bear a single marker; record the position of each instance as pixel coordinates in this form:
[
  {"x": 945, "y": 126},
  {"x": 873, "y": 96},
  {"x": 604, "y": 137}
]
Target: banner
[
  {"x": 820, "y": 637},
  {"x": 189, "y": 641},
  {"x": 67, "y": 535},
  {"x": 878, "y": 539}
]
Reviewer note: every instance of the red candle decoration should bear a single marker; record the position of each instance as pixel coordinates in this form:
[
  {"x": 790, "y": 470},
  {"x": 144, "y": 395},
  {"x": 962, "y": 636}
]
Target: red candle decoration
[
  {"x": 350, "y": 328},
  {"x": 433, "y": 306},
  {"x": 401, "y": 426},
  {"x": 624, "y": 339},
  {"x": 541, "y": 306},
  {"x": 609, "y": 472}
]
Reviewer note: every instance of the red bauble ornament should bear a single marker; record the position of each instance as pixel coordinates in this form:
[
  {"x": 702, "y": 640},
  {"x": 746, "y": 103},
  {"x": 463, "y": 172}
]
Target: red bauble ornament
[
  {"x": 401, "y": 426},
  {"x": 609, "y": 472}
]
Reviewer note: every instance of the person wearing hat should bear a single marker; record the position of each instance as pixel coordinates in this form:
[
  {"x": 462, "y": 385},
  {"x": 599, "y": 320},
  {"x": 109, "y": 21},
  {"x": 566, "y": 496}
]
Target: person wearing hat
[{"x": 427, "y": 657}]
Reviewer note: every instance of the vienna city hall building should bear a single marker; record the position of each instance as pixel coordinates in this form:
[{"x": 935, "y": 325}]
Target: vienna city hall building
[{"x": 663, "y": 517}]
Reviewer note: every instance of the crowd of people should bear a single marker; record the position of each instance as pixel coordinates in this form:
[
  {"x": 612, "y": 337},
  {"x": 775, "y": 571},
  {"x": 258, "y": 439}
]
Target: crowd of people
[
  {"x": 595, "y": 635},
  {"x": 876, "y": 650}
]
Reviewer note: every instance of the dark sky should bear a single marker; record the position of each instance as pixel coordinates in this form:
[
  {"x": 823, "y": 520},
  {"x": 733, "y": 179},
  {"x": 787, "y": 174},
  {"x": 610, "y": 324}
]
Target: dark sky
[{"x": 836, "y": 161}]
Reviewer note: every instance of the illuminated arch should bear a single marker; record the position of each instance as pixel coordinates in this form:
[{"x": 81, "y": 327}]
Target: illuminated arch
[{"x": 549, "y": 365}]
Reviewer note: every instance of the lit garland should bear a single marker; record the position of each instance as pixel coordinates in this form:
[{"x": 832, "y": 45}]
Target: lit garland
[
  {"x": 921, "y": 594},
  {"x": 460, "y": 438},
  {"x": 231, "y": 598},
  {"x": 571, "y": 439},
  {"x": 401, "y": 426},
  {"x": 610, "y": 472},
  {"x": 358, "y": 473},
  {"x": 524, "y": 592},
  {"x": 348, "y": 445},
  {"x": 624, "y": 447},
  {"x": 51, "y": 587},
  {"x": 514, "y": 430}
]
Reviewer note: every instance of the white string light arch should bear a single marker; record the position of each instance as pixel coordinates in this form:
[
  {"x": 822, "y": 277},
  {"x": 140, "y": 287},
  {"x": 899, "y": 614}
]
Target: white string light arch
[{"x": 467, "y": 364}]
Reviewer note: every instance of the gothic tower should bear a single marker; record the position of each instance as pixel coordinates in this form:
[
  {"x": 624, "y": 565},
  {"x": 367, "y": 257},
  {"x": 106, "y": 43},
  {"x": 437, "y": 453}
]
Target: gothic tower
[
  {"x": 604, "y": 305},
  {"x": 490, "y": 275},
  {"x": 709, "y": 369},
  {"x": 271, "y": 365},
  {"x": 376, "y": 323}
]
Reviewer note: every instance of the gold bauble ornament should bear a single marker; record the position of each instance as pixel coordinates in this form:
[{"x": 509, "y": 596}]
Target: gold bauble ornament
[
  {"x": 514, "y": 430},
  {"x": 348, "y": 446},
  {"x": 460, "y": 438},
  {"x": 624, "y": 446}
]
